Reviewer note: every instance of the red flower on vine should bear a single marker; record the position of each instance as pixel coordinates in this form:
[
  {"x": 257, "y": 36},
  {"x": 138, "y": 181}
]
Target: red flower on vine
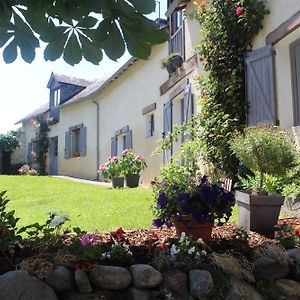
[{"x": 240, "y": 11}]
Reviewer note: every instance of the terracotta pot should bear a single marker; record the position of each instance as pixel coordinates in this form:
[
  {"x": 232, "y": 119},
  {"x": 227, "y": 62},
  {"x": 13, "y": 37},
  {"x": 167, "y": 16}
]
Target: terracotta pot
[
  {"x": 117, "y": 182},
  {"x": 132, "y": 180},
  {"x": 193, "y": 228}
]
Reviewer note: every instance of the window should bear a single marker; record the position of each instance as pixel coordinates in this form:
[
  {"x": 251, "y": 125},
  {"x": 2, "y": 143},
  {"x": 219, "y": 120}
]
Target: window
[
  {"x": 56, "y": 101},
  {"x": 150, "y": 125},
  {"x": 75, "y": 142},
  {"x": 177, "y": 40}
]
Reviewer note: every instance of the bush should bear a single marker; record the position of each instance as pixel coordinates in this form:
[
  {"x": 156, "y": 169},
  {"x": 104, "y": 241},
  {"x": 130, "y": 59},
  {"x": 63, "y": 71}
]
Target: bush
[
  {"x": 265, "y": 149},
  {"x": 27, "y": 170}
]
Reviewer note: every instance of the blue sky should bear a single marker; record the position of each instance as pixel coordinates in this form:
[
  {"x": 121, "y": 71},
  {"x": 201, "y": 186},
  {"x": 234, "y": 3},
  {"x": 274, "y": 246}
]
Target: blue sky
[{"x": 23, "y": 86}]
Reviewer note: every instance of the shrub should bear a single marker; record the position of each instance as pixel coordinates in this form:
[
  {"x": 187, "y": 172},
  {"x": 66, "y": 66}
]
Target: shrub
[
  {"x": 112, "y": 168},
  {"x": 287, "y": 234},
  {"x": 132, "y": 163},
  {"x": 265, "y": 149},
  {"x": 27, "y": 170}
]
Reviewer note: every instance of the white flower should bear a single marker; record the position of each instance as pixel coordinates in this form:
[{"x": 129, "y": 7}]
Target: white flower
[
  {"x": 203, "y": 252},
  {"x": 191, "y": 250},
  {"x": 129, "y": 252},
  {"x": 182, "y": 237},
  {"x": 126, "y": 246},
  {"x": 66, "y": 217},
  {"x": 200, "y": 241},
  {"x": 173, "y": 250},
  {"x": 56, "y": 222}
]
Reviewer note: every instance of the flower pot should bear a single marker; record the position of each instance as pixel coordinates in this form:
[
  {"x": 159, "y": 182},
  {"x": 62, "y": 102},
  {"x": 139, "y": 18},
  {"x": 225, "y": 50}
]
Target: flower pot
[
  {"x": 170, "y": 69},
  {"x": 132, "y": 180},
  {"x": 258, "y": 213},
  {"x": 176, "y": 61},
  {"x": 117, "y": 182},
  {"x": 193, "y": 228}
]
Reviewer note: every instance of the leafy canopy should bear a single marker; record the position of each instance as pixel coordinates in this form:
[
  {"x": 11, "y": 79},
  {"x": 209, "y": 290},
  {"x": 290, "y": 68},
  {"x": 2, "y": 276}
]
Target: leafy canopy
[
  {"x": 78, "y": 29},
  {"x": 9, "y": 141}
]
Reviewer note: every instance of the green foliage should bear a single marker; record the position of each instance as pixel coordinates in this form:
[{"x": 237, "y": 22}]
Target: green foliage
[
  {"x": 287, "y": 234},
  {"x": 9, "y": 142},
  {"x": 167, "y": 60},
  {"x": 8, "y": 223},
  {"x": 132, "y": 163},
  {"x": 226, "y": 36},
  {"x": 119, "y": 255},
  {"x": 78, "y": 29},
  {"x": 42, "y": 140},
  {"x": 111, "y": 169},
  {"x": 266, "y": 150}
]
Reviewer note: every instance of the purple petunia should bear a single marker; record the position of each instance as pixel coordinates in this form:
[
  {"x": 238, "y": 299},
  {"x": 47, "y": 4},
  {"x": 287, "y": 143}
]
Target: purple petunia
[
  {"x": 158, "y": 222},
  {"x": 162, "y": 200},
  {"x": 183, "y": 197}
]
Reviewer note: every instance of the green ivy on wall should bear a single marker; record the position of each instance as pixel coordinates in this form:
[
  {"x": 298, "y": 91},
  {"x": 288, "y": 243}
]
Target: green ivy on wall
[{"x": 227, "y": 29}]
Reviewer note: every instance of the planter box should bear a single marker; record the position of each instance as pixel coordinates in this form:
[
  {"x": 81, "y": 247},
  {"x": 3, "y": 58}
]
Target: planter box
[{"x": 258, "y": 213}]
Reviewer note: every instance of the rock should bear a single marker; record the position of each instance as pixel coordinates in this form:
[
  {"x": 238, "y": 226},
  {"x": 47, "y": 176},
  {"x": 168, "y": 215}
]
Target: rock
[
  {"x": 77, "y": 296},
  {"x": 61, "y": 279},
  {"x": 82, "y": 282},
  {"x": 240, "y": 290},
  {"x": 111, "y": 278},
  {"x": 145, "y": 276},
  {"x": 138, "y": 294},
  {"x": 294, "y": 263},
  {"x": 201, "y": 283},
  {"x": 19, "y": 285},
  {"x": 174, "y": 285},
  {"x": 269, "y": 268},
  {"x": 287, "y": 289}
]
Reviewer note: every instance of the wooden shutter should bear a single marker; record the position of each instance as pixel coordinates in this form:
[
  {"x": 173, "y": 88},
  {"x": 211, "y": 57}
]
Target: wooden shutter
[
  {"x": 128, "y": 139},
  {"x": 260, "y": 86},
  {"x": 82, "y": 141},
  {"x": 29, "y": 153},
  {"x": 187, "y": 103},
  {"x": 68, "y": 144},
  {"x": 168, "y": 124},
  {"x": 295, "y": 67},
  {"x": 114, "y": 146}
]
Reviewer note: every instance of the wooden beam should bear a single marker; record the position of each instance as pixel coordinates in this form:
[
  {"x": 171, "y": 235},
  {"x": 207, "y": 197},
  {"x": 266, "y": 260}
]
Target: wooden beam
[
  {"x": 284, "y": 29},
  {"x": 186, "y": 69},
  {"x": 149, "y": 108},
  {"x": 174, "y": 5},
  {"x": 122, "y": 130}
]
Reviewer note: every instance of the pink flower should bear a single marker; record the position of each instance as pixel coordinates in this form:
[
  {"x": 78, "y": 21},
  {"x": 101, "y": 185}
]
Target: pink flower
[
  {"x": 140, "y": 157},
  {"x": 102, "y": 168},
  {"x": 288, "y": 235},
  {"x": 276, "y": 234},
  {"x": 239, "y": 11},
  {"x": 125, "y": 152},
  {"x": 85, "y": 240},
  {"x": 95, "y": 238},
  {"x": 114, "y": 159}
]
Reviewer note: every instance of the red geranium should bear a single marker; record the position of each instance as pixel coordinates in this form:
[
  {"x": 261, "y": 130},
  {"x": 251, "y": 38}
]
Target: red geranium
[{"x": 240, "y": 11}]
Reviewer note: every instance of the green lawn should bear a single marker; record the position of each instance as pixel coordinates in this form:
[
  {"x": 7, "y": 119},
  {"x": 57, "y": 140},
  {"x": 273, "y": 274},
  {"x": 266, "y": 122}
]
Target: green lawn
[{"x": 90, "y": 207}]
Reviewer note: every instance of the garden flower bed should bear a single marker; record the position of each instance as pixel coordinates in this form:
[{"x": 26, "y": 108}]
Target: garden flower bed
[{"x": 149, "y": 265}]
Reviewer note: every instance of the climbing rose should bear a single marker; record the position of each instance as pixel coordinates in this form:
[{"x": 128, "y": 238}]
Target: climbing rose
[{"x": 240, "y": 11}]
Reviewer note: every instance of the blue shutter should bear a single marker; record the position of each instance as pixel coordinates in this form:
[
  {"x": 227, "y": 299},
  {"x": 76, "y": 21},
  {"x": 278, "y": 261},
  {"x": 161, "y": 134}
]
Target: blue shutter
[
  {"x": 187, "y": 103},
  {"x": 128, "y": 139},
  {"x": 260, "y": 86},
  {"x": 114, "y": 146},
  {"x": 82, "y": 142},
  {"x": 168, "y": 126},
  {"x": 29, "y": 154},
  {"x": 68, "y": 144}
]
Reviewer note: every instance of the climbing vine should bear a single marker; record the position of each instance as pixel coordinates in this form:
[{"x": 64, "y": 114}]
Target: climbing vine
[
  {"x": 42, "y": 144},
  {"x": 227, "y": 30}
]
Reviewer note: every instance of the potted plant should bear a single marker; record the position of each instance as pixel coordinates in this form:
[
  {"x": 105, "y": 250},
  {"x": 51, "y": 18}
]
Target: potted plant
[
  {"x": 267, "y": 151},
  {"x": 191, "y": 204},
  {"x": 172, "y": 62},
  {"x": 132, "y": 165},
  {"x": 112, "y": 170}
]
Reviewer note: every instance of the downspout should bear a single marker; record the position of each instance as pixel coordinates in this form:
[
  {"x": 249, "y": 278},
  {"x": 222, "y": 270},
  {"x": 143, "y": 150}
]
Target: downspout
[{"x": 98, "y": 137}]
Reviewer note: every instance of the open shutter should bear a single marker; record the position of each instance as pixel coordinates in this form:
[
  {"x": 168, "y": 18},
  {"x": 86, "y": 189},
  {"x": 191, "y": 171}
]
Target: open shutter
[
  {"x": 29, "y": 153},
  {"x": 187, "y": 103},
  {"x": 260, "y": 86},
  {"x": 128, "y": 139},
  {"x": 114, "y": 146},
  {"x": 82, "y": 141},
  {"x": 67, "y": 144},
  {"x": 168, "y": 124}
]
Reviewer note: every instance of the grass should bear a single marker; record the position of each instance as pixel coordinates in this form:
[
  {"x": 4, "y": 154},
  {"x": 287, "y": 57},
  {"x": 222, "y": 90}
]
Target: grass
[{"x": 90, "y": 207}]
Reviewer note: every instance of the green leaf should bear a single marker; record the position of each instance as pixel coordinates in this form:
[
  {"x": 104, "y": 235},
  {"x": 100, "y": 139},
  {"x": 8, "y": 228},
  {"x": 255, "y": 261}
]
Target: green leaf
[
  {"x": 90, "y": 51},
  {"x": 72, "y": 52},
  {"x": 114, "y": 45},
  {"x": 55, "y": 48},
  {"x": 4, "y": 37},
  {"x": 144, "y": 6},
  {"x": 87, "y": 22},
  {"x": 10, "y": 52}
]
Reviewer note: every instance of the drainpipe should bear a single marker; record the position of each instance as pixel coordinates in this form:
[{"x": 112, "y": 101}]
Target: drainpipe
[{"x": 98, "y": 137}]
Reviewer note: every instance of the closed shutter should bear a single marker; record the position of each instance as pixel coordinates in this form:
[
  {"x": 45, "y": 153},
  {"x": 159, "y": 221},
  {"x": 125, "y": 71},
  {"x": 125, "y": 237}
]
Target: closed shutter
[
  {"x": 260, "y": 86},
  {"x": 168, "y": 124},
  {"x": 114, "y": 146},
  {"x": 128, "y": 139},
  {"x": 68, "y": 144},
  {"x": 82, "y": 142},
  {"x": 187, "y": 103},
  {"x": 29, "y": 153}
]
